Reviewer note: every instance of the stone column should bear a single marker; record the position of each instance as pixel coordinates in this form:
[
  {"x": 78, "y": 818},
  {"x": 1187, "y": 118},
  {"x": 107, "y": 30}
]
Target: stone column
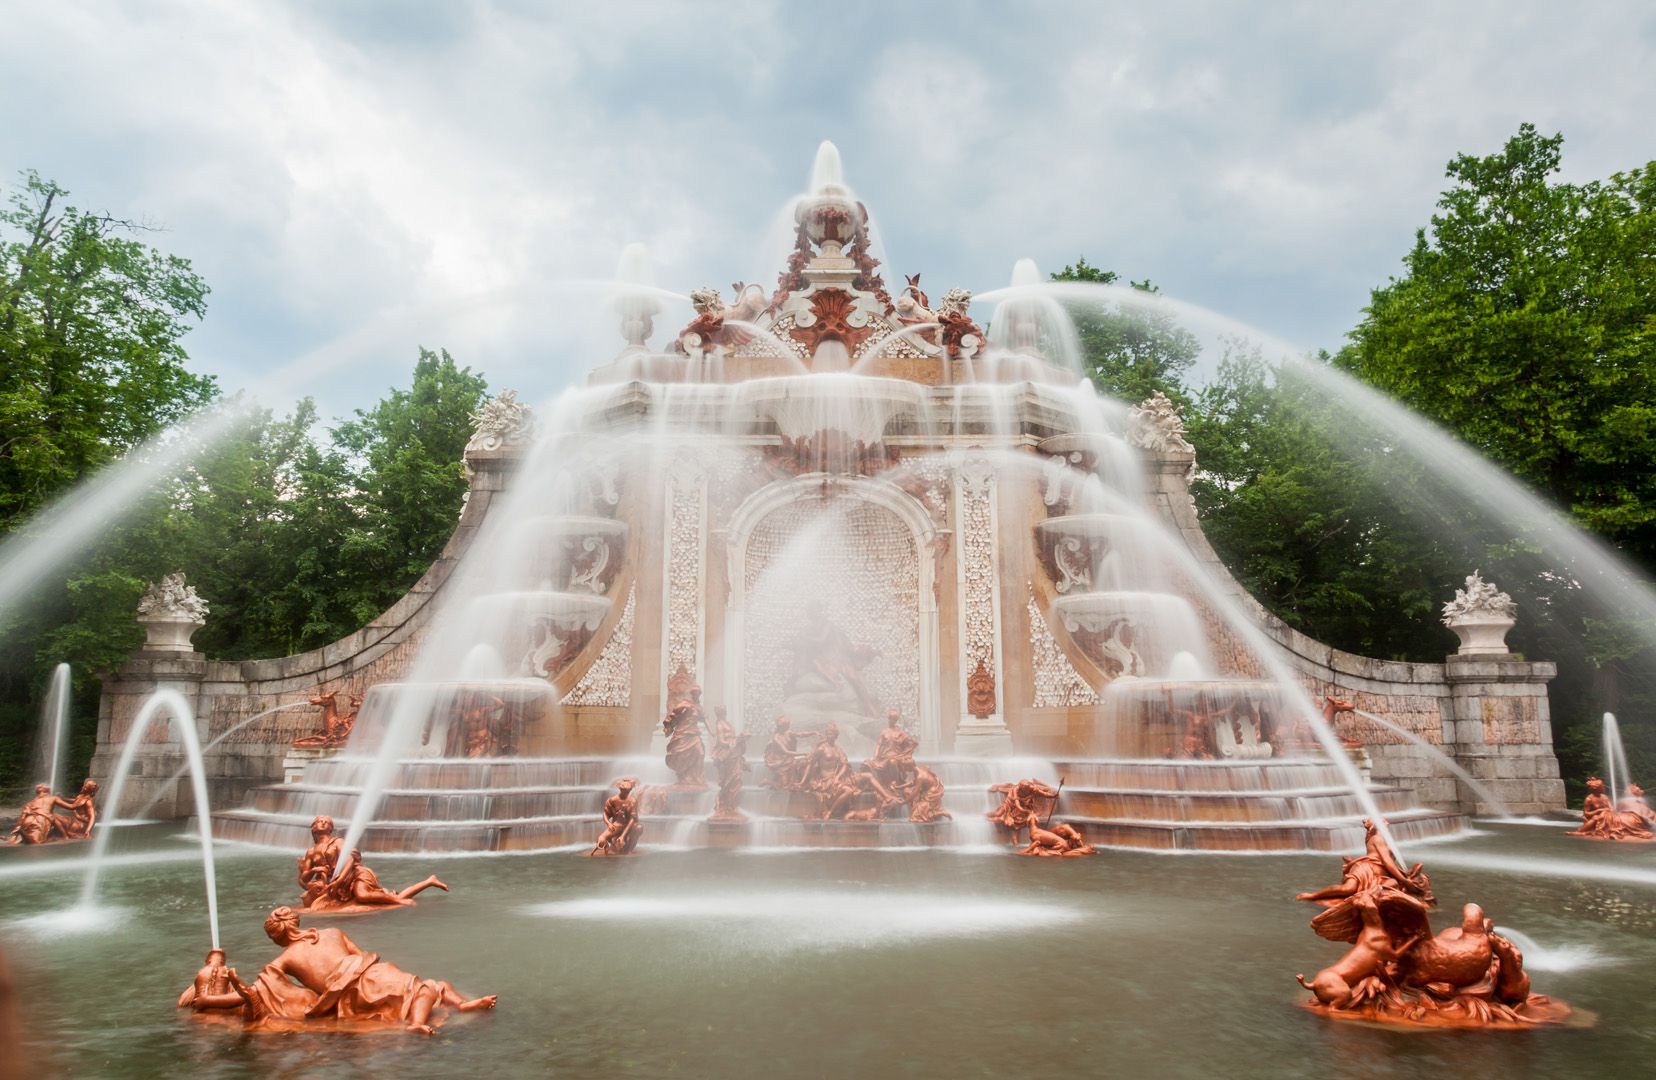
[
  {"x": 982, "y": 731},
  {"x": 1497, "y": 721},
  {"x": 170, "y": 613}
]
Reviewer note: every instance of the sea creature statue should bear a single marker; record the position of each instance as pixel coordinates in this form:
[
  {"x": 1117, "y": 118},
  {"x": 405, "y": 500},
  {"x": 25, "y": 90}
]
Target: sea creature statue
[
  {"x": 322, "y": 976},
  {"x": 708, "y": 327},
  {"x": 1398, "y": 972},
  {"x": 336, "y": 725},
  {"x": 784, "y": 758},
  {"x": 1019, "y": 801},
  {"x": 913, "y": 306},
  {"x": 1600, "y": 820},
  {"x": 622, "y": 827},
  {"x": 1055, "y": 838},
  {"x": 686, "y": 753},
  {"x": 354, "y": 890},
  {"x": 957, "y": 333},
  {"x": 40, "y": 823},
  {"x": 730, "y": 762},
  {"x": 923, "y": 792}
]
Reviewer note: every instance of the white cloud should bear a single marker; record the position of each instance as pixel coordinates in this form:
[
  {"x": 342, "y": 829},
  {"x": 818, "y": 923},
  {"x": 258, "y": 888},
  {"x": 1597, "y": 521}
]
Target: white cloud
[{"x": 330, "y": 167}]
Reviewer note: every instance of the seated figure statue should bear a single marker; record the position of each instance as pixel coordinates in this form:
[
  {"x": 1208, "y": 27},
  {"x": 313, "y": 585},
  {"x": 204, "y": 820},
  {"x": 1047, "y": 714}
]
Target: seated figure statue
[
  {"x": 322, "y": 975},
  {"x": 37, "y": 822},
  {"x": 353, "y": 890},
  {"x": 1603, "y": 820}
]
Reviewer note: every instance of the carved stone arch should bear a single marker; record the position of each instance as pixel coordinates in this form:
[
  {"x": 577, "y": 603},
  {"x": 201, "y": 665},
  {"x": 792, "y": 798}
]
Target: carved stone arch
[{"x": 882, "y": 497}]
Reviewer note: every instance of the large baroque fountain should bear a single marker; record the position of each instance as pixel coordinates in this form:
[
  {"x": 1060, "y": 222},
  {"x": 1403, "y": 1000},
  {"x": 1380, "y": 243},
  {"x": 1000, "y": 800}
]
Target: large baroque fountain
[{"x": 825, "y": 502}]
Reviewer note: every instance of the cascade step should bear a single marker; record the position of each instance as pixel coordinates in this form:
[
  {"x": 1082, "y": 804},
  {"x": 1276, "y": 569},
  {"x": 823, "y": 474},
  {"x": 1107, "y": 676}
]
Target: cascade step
[{"x": 520, "y": 804}]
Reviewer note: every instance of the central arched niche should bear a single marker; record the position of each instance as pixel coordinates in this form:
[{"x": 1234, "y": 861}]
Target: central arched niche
[{"x": 833, "y": 614}]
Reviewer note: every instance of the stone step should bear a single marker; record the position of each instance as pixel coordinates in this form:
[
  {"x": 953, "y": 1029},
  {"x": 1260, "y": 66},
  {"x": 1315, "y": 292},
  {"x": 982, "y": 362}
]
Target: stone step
[
  {"x": 1186, "y": 776},
  {"x": 1250, "y": 837}
]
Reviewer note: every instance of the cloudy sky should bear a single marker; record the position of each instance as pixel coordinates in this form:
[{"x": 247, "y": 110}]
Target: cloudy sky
[{"x": 356, "y": 179}]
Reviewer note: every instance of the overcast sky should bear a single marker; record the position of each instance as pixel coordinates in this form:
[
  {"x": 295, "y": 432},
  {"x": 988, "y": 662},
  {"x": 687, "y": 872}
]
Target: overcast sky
[{"x": 361, "y": 178}]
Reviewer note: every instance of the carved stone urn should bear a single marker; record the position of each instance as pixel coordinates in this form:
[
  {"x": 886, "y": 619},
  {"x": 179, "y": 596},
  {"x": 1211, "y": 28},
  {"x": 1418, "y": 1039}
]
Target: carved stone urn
[
  {"x": 1480, "y": 615},
  {"x": 170, "y": 613}
]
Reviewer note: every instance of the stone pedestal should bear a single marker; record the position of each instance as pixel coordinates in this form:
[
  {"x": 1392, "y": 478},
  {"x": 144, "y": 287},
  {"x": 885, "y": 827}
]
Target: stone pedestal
[
  {"x": 161, "y": 753},
  {"x": 984, "y": 737},
  {"x": 1498, "y": 727}
]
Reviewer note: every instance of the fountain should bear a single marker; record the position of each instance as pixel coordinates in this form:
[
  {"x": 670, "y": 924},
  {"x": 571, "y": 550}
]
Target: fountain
[
  {"x": 916, "y": 560},
  {"x": 818, "y": 504},
  {"x": 1397, "y": 972}
]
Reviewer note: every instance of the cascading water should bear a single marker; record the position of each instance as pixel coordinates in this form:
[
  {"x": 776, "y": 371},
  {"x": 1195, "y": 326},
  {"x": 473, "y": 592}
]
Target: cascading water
[
  {"x": 177, "y": 710},
  {"x": 823, "y": 503},
  {"x": 1616, "y": 776},
  {"x": 51, "y": 744}
]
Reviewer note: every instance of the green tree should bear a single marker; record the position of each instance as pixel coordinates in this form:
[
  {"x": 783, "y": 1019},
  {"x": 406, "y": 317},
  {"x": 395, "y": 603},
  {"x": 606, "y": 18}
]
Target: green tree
[
  {"x": 411, "y": 450},
  {"x": 91, "y": 360},
  {"x": 1130, "y": 350},
  {"x": 1525, "y": 321},
  {"x": 1290, "y": 498}
]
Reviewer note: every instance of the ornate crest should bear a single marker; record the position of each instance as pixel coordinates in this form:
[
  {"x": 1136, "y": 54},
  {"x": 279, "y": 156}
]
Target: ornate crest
[
  {"x": 171, "y": 599},
  {"x": 503, "y": 421},
  {"x": 1479, "y": 600},
  {"x": 1157, "y": 426}
]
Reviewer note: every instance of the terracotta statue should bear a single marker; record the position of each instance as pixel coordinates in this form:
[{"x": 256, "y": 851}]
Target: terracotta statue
[
  {"x": 686, "y": 753},
  {"x": 1602, "y": 821},
  {"x": 826, "y": 768},
  {"x": 838, "y": 801},
  {"x": 1398, "y": 972},
  {"x": 357, "y": 891},
  {"x": 83, "y": 811},
  {"x": 622, "y": 827},
  {"x": 893, "y": 758},
  {"x": 1198, "y": 742},
  {"x": 784, "y": 758},
  {"x": 1376, "y": 868},
  {"x": 1333, "y": 707},
  {"x": 1632, "y": 803},
  {"x": 37, "y": 822},
  {"x": 336, "y": 726},
  {"x": 323, "y": 975},
  {"x": 955, "y": 324},
  {"x": 1054, "y": 838},
  {"x": 215, "y": 987},
  {"x": 316, "y": 865},
  {"x": 480, "y": 728},
  {"x": 924, "y": 794},
  {"x": 1019, "y": 801},
  {"x": 730, "y": 760},
  {"x": 980, "y": 692},
  {"x": 913, "y": 306}
]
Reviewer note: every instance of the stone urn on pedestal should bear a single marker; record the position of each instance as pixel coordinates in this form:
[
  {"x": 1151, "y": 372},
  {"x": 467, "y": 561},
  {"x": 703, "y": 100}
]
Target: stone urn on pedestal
[
  {"x": 1480, "y": 615},
  {"x": 170, "y": 613}
]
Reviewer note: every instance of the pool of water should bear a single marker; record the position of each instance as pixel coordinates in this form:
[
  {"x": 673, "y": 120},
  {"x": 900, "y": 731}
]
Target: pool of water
[{"x": 836, "y": 963}]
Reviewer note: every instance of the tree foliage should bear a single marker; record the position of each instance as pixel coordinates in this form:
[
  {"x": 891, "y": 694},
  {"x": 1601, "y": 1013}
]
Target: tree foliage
[
  {"x": 1130, "y": 351},
  {"x": 1525, "y": 321},
  {"x": 294, "y": 541},
  {"x": 91, "y": 361}
]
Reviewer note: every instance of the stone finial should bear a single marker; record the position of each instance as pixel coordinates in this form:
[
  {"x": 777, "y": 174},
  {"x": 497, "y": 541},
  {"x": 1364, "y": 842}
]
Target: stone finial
[
  {"x": 1480, "y": 615},
  {"x": 1157, "y": 426},
  {"x": 170, "y": 612},
  {"x": 170, "y": 598},
  {"x": 503, "y": 420}
]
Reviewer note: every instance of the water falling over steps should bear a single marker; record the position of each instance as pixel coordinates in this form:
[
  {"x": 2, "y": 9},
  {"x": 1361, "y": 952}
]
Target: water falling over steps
[{"x": 524, "y": 804}]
